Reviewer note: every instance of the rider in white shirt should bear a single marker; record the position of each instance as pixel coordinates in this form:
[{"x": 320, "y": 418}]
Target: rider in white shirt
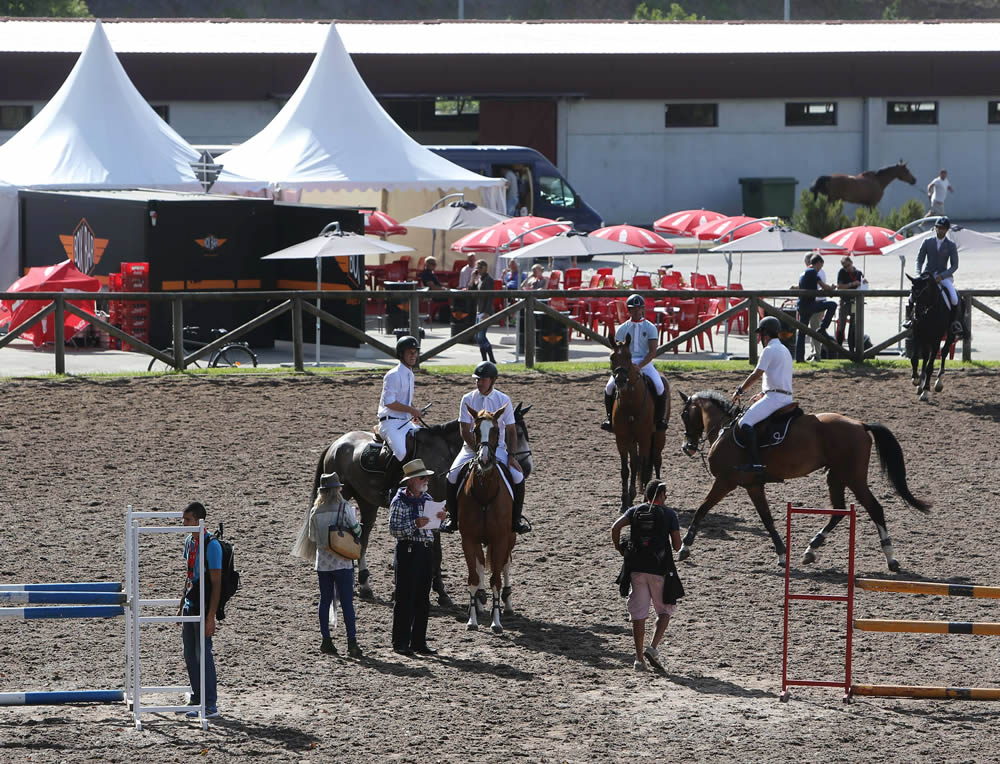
[
  {"x": 486, "y": 396},
  {"x": 775, "y": 366},
  {"x": 396, "y": 412},
  {"x": 643, "y": 337}
]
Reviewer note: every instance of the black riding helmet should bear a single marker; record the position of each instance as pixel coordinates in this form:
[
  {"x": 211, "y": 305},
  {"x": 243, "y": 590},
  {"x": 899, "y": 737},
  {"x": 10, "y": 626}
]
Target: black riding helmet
[
  {"x": 406, "y": 343},
  {"x": 486, "y": 369},
  {"x": 943, "y": 222},
  {"x": 770, "y": 326},
  {"x": 635, "y": 301}
]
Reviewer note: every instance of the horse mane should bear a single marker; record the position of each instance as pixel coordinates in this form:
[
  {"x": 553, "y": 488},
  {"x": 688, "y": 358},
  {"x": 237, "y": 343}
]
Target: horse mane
[
  {"x": 442, "y": 430},
  {"x": 719, "y": 399}
]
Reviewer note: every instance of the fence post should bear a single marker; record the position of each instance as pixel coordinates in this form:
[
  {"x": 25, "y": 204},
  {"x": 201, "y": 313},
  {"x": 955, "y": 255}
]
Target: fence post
[
  {"x": 967, "y": 340},
  {"x": 414, "y": 301},
  {"x": 297, "y": 350},
  {"x": 529, "y": 332},
  {"x": 60, "y": 334},
  {"x": 858, "y": 327},
  {"x": 177, "y": 309},
  {"x": 752, "y": 317}
]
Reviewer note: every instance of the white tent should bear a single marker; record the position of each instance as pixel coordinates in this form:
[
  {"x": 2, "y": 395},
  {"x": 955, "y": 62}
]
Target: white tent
[
  {"x": 8, "y": 236},
  {"x": 97, "y": 131}
]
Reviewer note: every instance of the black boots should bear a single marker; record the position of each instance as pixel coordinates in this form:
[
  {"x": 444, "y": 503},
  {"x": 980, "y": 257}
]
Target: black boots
[
  {"x": 749, "y": 436},
  {"x": 487, "y": 354},
  {"x": 518, "y": 523},
  {"x": 353, "y": 649},
  {"x": 908, "y": 323},
  {"x": 393, "y": 474},
  {"x": 609, "y": 405},
  {"x": 957, "y": 328},
  {"x": 659, "y": 407},
  {"x": 327, "y": 646},
  {"x": 450, "y": 523}
]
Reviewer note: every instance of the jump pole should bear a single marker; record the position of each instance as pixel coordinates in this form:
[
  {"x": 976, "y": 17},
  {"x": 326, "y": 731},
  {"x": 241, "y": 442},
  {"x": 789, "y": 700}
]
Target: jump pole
[
  {"x": 927, "y": 627},
  {"x": 931, "y": 693},
  {"x": 85, "y": 586},
  {"x": 67, "y": 611},
  {"x": 60, "y": 697},
  {"x": 929, "y": 587},
  {"x": 48, "y": 597}
]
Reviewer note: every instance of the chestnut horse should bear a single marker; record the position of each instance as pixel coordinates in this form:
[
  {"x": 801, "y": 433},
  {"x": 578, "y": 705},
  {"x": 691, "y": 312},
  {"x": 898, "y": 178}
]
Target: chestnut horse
[
  {"x": 836, "y": 442},
  {"x": 485, "y": 507},
  {"x": 866, "y": 188},
  {"x": 640, "y": 444}
]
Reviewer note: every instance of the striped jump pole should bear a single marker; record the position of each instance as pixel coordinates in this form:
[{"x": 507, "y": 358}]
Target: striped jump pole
[
  {"x": 62, "y": 598},
  {"x": 66, "y": 611},
  {"x": 84, "y": 586},
  {"x": 59, "y": 698},
  {"x": 927, "y": 627},
  {"x": 934, "y": 693},
  {"x": 929, "y": 587}
]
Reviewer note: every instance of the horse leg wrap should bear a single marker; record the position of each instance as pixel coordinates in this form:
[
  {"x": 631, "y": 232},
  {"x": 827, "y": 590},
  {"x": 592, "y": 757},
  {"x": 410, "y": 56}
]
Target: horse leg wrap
[
  {"x": 885, "y": 542},
  {"x": 817, "y": 541}
]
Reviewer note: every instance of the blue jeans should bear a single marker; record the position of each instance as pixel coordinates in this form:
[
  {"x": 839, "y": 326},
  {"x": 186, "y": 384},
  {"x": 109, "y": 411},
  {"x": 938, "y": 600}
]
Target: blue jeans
[
  {"x": 343, "y": 581},
  {"x": 480, "y": 337},
  {"x": 192, "y": 650},
  {"x": 828, "y": 308}
]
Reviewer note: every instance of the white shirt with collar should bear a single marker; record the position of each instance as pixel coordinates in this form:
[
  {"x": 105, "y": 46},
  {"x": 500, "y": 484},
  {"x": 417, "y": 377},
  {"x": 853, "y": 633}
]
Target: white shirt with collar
[
  {"x": 397, "y": 387},
  {"x": 776, "y": 363}
]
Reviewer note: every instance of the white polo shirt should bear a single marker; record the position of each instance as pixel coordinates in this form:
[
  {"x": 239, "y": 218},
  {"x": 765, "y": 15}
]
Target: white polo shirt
[
  {"x": 641, "y": 332},
  {"x": 776, "y": 363},
  {"x": 477, "y": 401},
  {"x": 397, "y": 387}
]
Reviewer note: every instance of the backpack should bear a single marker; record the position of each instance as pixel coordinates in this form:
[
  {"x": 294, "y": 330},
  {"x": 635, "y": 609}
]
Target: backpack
[
  {"x": 230, "y": 576},
  {"x": 648, "y": 540}
]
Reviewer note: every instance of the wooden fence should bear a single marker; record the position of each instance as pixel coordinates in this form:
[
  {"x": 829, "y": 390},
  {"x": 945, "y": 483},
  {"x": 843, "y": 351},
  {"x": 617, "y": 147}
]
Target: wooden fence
[{"x": 522, "y": 302}]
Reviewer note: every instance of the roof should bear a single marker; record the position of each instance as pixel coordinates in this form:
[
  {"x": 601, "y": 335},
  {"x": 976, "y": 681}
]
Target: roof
[
  {"x": 431, "y": 38},
  {"x": 146, "y": 195}
]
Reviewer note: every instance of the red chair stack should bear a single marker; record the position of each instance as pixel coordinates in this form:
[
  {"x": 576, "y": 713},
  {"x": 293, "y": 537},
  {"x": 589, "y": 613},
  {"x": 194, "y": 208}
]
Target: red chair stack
[{"x": 131, "y": 316}]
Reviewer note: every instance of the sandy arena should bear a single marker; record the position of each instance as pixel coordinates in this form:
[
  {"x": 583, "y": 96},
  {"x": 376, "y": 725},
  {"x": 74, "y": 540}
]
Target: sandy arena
[{"x": 558, "y": 685}]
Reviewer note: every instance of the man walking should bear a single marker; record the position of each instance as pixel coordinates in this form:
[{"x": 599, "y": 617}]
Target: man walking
[
  {"x": 196, "y": 562},
  {"x": 937, "y": 191}
]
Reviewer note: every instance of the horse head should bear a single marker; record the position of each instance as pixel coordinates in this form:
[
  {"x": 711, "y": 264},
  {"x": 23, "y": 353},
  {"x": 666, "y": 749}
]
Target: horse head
[
  {"x": 621, "y": 362},
  {"x": 924, "y": 294},
  {"x": 522, "y": 448},
  {"x": 694, "y": 423},
  {"x": 703, "y": 415},
  {"x": 486, "y": 434},
  {"x": 902, "y": 172}
]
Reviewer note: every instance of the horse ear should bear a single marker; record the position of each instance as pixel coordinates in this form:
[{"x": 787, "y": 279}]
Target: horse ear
[
  {"x": 496, "y": 414},
  {"x": 912, "y": 280},
  {"x": 683, "y": 397},
  {"x": 524, "y": 410},
  {"x": 628, "y": 339},
  {"x": 472, "y": 411}
]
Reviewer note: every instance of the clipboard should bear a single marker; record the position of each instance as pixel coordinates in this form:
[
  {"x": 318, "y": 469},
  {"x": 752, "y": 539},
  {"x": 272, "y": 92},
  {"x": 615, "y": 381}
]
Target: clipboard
[{"x": 435, "y": 512}]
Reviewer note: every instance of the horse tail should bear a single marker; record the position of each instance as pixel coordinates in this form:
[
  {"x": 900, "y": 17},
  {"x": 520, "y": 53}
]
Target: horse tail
[
  {"x": 891, "y": 457},
  {"x": 821, "y": 186},
  {"x": 319, "y": 473}
]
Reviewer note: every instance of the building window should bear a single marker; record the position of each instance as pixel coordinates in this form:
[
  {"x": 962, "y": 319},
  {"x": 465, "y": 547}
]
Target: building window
[
  {"x": 810, "y": 114},
  {"x": 163, "y": 111},
  {"x": 431, "y": 115},
  {"x": 911, "y": 113},
  {"x": 691, "y": 115},
  {"x": 15, "y": 117},
  {"x": 455, "y": 107},
  {"x": 993, "y": 112}
]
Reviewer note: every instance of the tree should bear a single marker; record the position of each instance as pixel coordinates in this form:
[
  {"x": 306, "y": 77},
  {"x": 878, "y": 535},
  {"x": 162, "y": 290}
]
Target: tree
[
  {"x": 653, "y": 12},
  {"x": 45, "y": 8}
]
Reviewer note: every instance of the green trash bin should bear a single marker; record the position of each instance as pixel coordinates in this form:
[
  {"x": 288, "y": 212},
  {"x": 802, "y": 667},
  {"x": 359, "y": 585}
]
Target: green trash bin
[{"x": 768, "y": 197}]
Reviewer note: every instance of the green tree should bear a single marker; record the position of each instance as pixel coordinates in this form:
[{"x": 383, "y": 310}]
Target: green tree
[
  {"x": 45, "y": 8},
  {"x": 818, "y": 216},
  {"x": 893, "y": 12},
  {"x": 654, "y": 11}
]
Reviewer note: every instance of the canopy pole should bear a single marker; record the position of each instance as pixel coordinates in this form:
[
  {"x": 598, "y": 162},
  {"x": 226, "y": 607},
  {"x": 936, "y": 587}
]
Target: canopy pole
[
  {"x": 729, "y": 273},
  {"x": 319, "y": 288}
]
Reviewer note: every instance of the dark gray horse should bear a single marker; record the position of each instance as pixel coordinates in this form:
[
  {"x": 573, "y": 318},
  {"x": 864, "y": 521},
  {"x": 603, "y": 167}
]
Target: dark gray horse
[{"x": 437, "y": 445}]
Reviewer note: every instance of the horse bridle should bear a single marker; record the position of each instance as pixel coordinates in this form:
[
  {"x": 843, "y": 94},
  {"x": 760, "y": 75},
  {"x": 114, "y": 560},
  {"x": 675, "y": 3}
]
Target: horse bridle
[
  {"x": 690, "y": 448},
  {"x": 519, "y": 425}
]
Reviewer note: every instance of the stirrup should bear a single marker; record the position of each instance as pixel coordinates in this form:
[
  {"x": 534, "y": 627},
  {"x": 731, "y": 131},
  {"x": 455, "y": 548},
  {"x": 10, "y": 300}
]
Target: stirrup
[
  {"x": 750, "y": 468},
  {"x": 957, "y": 329},
  {"x": 606, "y": 425},
  {"x": 523, "y": 526},
  {"x": 447, "y": 527}
]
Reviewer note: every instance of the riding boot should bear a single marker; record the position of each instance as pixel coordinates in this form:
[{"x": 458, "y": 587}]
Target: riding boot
[
  {"x": 518, "y": 523},
  {"x": 659, "y": 407},
  {"x": 609, "y": 405},
  {"x": 450, "y": 523},
  {"x": 957, "y": 327},
  {"x": 908, "y": 323},
  {"x": 749, "y": 436},
  {"x": 393, "y": 475}
]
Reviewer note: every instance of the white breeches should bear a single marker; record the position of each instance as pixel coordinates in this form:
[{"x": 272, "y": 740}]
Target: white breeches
[
  {"x": 394, "y": 432},
  {"x": 649, "y": 370},
  {"x": 763, "y": 408},
  {"x": 466, "y": 455},
  {"x": 948, "y": 287}
]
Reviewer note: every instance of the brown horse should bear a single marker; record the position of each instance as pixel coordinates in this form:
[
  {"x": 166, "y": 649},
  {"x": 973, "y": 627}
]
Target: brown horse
[
  {"x": 836, "y": 442},
  {"x": 484, "y": 518},
  {"x": 640, "y": 445},
  {"x": 866, "y": 188}
]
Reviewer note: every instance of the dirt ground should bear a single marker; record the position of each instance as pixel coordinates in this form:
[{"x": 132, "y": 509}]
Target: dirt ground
[{"x": 558, "y": 685}]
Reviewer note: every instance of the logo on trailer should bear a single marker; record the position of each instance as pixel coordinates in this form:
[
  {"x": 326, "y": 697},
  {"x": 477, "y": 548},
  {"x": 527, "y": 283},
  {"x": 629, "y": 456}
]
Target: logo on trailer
[
  {"x": 211, "y": 243},
  {"x": 83, "y": 247}
]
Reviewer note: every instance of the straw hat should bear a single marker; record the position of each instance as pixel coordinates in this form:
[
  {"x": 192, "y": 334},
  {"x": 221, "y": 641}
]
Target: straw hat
[
  {"x": 415, "y": 469},
  {"x": 330, "y": 480}
]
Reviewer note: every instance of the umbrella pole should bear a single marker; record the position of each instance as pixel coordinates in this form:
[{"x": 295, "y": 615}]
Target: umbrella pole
[
  {"x": 319, "y": 287},
  {"x": 899, "y": 312},
  {"x": 729, "y": 273},
  {"x": 741, "y": 269}
]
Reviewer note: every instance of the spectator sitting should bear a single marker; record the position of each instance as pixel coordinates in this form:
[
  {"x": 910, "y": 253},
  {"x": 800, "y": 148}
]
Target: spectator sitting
[
  {"x": 465, "y": 275},
  {"x": 427, "y": 277},
  {"x": 513, "y": 276},
  {"x": 537, "y": 278}
]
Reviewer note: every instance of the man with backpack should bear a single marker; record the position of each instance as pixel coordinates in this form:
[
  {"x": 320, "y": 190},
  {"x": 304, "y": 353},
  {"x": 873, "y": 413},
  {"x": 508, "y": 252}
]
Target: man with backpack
[
  {"x": 195, "y": 563},
  {"x": 654, "y": 528}
]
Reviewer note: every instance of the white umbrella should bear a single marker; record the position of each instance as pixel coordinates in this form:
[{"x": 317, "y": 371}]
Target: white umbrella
[
  {"x": 454, "y": 216},
  {"x": 332, "y": 242}
]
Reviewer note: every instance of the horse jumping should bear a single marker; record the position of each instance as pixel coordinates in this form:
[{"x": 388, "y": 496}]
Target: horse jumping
[
  {"x": 840, "y": 444},
  {"x": 640, "y": 445},
  {"x": 866, "y": 188},
  {"x": 931, "y": 323},
  {"x": 485, "y": 506}
]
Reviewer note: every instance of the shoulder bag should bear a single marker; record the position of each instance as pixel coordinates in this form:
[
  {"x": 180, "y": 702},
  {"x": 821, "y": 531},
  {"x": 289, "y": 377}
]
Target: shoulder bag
[{"x": 342, "y": 541}]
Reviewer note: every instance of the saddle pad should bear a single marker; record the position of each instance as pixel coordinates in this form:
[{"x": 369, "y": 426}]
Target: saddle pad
[
  {"x": 375, "y": 457},
  {"x": 503, "y": 474},
  {"x": 772, "y": 431}
]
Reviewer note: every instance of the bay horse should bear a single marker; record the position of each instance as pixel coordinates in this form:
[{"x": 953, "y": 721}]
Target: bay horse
[
  {"x": 931, "y": 323},
  {"x": 866, "y": 188},
  {"x": 640, "y": 444},
  {"x": 485, "y": 508},
  {"x": 840, "y": 444},
  {"x": 437, "y": 445}
]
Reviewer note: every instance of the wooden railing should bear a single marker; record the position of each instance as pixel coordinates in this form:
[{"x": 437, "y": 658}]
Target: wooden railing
[{"x": 524, "y": 303}]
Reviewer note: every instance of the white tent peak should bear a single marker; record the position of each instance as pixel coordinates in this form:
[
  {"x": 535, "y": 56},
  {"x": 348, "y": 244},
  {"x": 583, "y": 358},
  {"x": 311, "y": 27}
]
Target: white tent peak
[
  {"x": 97, "y": 130},
  {"x": 332, "y": 133}
]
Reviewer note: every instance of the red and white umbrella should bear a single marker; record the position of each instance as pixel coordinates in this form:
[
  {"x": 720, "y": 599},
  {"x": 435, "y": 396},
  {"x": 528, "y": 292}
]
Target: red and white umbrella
[
  {"x": 378, "y": 223},
  {"x": 648, "y": 241},
  {"x": 727, "y": 228},
  {"x": 491, "y": 238},
  {"x": 862, "y": 239},
  {"x": 685, "y": 221},
  {"x": 63, "y": 277}
]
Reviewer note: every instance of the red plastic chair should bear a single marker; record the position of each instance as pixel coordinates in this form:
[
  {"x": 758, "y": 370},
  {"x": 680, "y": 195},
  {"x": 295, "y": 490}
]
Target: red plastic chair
[
  {"x": 671, "y": 279},
  {"x": 573, "y": 278},
  {"x": 642, "y": 281},
  {"x": 699, "y": 281},
  {"x": 711, "y": 279},
  {"x": 685, "y": 320},
  {"x": 554, "y": 278},
  {"x": 396, "y": 271}
]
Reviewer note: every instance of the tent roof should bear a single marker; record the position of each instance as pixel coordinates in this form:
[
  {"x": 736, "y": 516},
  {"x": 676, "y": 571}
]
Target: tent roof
[
  {"x": 332, "y": 133},
  {"x": 97, "y": 130}
]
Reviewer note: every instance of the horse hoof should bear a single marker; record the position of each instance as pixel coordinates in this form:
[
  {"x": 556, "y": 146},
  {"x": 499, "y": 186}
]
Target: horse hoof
[
  {"x": 808, "y": 557},
  {"x": 894, "y": 566},
  {"x": 472, "y": 627},
  {"x": 497, "y": 629},
  {"x": 939, "y": 386},
  {"x": 508, "y": 610},
  {"x": 365, "y": 592},
  {"x": 924, "y": 396},
  {"x": 444, "y": 600},
  {"x": 684, "y": 553},
  {"x": 782, "y": 561},
  {"x": 363, "y": 576},
  {"x": 916, "y": 381}
]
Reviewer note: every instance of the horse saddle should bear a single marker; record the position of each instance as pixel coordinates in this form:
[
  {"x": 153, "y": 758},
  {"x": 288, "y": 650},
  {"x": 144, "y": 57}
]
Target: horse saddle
[
  {"x": 375, "y": 456},
  {"x": 463, "y": 475},
  {"x": 772, "y": 431}
]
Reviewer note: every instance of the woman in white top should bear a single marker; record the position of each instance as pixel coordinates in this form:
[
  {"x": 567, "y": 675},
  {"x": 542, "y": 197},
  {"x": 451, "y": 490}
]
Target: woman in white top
[{"x": 335, "y": 573}]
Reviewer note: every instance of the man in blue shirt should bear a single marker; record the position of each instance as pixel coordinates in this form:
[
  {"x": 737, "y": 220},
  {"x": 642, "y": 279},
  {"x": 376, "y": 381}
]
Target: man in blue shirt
[
  {"x": 810, "y": 280},
  {"x": 190, "y": 605}
]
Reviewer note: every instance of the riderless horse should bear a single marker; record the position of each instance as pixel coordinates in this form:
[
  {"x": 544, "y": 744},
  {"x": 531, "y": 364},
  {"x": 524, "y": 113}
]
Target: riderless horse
[
  {"x": 485, "y": 506},
  {"x": 840, "y": 444},
  {"x": 355, "y": 457},
  {"x": 931, "y": 323},
  {"x": 640, "y": 445},
  {"x": 866, "y": 188}
]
